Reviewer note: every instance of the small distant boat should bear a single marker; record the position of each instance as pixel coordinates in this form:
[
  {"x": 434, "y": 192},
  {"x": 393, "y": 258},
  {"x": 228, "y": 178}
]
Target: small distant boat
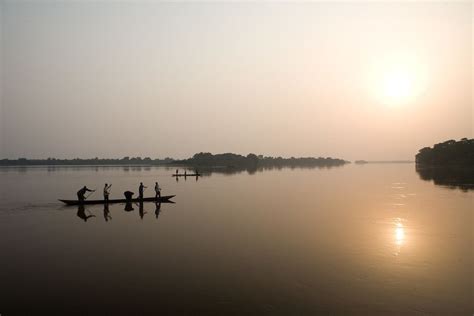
[
  {"x": 163, "y": 199},
  {"x": 186, "y": 175}
]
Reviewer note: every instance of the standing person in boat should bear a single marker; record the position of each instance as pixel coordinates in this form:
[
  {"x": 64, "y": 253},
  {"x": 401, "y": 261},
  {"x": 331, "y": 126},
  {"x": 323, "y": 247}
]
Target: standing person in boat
[
  {"x": 140, "y": 190},
  {"x": 81, "y": 192},
  {"x": 106, "y": 192},
  {"x": 176, "y": 171},
  {"x": 157, "y": 191}
]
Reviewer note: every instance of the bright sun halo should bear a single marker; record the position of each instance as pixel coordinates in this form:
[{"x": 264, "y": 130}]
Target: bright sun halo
[
  {"x": 397, "y": 86},
  {"x": 398, "y": 82}
]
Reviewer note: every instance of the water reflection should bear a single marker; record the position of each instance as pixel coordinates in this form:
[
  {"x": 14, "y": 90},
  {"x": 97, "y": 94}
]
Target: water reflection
[
  {"x": 157, "y": 209},
  {"x": 81, "y": 213},
  {"x": 141, "y": 210},
  {"x": 85, "y": 214},
  {"x": 399, "y": 234},
  {"x": 451, "y": 177},
  {"x": 207, "y": 171},
  {"x": 107, "y": 216},
  {"x": 128, "y": 207}
]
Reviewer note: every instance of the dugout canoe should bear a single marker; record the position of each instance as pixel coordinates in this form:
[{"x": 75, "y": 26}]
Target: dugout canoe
[
  {"x": 163, "y": 199},
  {"x": 186, "y": 175}
]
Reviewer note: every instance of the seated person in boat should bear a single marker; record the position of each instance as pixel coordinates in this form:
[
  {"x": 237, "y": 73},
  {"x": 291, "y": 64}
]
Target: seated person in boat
[
  {"x": 81, "y": 192},
  {"x": 157, "y": 190},
  {"x": 107, "y": 192},
  {"x": 128, "y": 195}
]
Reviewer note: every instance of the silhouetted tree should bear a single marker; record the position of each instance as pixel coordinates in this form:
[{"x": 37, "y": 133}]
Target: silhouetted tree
[{"x": 450, "y": 152}]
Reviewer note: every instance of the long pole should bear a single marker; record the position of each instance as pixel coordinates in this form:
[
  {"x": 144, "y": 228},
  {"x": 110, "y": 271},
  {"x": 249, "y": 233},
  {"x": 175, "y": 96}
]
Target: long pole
[{"x": 85, "y": 198}]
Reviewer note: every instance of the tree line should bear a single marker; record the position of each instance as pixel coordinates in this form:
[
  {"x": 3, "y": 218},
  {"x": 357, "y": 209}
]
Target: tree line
[
  {"x": 198, "y": 160},
  {"x": 92, "y": 161},
  {"x": 451, "y": 152},
  {"x": 252, "y": 160}
]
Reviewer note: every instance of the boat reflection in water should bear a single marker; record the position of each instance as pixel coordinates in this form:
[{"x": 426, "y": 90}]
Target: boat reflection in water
[
  {"x": 85, "y": 213},
  {"x": 81, "y": 213}
]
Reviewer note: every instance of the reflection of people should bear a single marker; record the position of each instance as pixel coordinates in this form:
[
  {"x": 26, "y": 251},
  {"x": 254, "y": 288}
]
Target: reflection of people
[
  {"x": 106, "y": 192},
  {"x": 128, "y": 207},
  {"x": 157, "y": 190},
  {"x": 107, "y": 212},
  {"x": 140, "y": 190},
  {"x": 81, "y": 213},
  {"x": 81, "y": 192},
  {"x": 157, "y": 209},
  {"x": 141, "y": 210}
]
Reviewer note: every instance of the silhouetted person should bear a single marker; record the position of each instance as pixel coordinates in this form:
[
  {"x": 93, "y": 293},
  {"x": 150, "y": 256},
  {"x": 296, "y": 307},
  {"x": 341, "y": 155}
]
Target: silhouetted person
[
  {"x": 157, "y": 209},
  {"x": 176, "y": 171},
  {"x": 185, "y": 173},
  {"x": 141, "y": 188},
  {"x": 107, "y": 192},
  {"x": 141, "y": 210},
  {"x": 128, "y": 207},
  {"x": 81, "y": 192},
  {"x": 157, "y": 191},
  {"x": 81, "y": 213},
  {"x": 107, "y": 212},
  {"x": 128, "y": 196}
]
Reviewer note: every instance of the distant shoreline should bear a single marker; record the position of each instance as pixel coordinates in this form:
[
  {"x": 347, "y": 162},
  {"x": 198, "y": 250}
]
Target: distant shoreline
[
  {"x": 362, "y": 162},
  {"x": 177, "y": 163},
  {"x": 199, "y": 160}
]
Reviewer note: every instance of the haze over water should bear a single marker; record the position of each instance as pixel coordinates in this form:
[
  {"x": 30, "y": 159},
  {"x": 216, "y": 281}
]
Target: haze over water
[
  {"x": 365, "y": 239},
  {"x": 358, "y": 80}
]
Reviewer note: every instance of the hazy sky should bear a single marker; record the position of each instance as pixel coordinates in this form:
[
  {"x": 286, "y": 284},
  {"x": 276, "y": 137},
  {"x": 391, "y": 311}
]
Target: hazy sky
[{"x": 358, "y": 80}]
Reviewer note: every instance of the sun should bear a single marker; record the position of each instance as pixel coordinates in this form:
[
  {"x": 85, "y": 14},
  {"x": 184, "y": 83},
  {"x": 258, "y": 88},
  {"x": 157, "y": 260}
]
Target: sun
[
  {"x": 398, "y": 81},
  {"x": 397, "y": 86}
]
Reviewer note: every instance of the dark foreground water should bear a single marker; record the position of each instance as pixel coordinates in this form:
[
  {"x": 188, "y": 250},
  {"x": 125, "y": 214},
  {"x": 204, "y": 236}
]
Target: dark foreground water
[{"x": 371, "y": 239}]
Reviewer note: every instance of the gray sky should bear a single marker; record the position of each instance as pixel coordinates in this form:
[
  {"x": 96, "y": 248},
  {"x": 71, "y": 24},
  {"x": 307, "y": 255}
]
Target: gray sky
[{"x": 355, "y": 81}]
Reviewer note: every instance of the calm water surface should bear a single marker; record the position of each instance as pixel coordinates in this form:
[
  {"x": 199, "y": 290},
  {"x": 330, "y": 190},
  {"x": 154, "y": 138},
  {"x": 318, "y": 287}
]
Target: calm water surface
[{"x": 371, "y": 239}]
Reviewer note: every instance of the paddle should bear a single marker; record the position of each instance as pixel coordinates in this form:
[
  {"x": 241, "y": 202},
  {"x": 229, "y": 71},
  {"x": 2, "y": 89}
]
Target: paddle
[{"x": 86, "y": 197}]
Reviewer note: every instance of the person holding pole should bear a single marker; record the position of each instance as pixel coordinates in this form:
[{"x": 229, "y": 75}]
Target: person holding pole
[
  {"x": 81, "y": 192},
  {"x": 140, "y": 190},
  {"x": 107, "y": 192},
  {"x": 157, "y": 190}
]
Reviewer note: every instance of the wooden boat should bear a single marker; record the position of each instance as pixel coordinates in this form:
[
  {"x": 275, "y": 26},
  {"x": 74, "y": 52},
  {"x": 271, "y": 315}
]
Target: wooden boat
[
  {"x": 186, "y": 175},
  {"x": 163, "y": 199}
]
